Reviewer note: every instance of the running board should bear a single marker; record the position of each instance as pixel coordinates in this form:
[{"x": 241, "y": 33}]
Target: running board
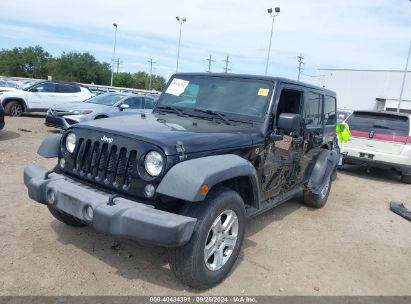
[{"x": 273, "y": 202}]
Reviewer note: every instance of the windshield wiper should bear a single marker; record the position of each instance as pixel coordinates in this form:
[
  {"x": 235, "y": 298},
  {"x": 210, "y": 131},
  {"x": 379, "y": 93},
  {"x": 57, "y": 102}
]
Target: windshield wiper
[
  {"x": 221, "y": 116},
  {"x": 175, "y": 110}
]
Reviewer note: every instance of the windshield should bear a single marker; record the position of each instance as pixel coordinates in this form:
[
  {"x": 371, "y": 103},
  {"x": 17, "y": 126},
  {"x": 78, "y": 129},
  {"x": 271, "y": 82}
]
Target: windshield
[
  {"x": 106, "y": 99},
  {"x": 28, "y": 84},
  {"x": 233, "y": 97}
]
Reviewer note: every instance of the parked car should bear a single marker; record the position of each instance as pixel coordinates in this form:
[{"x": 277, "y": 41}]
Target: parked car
[
  {"x": 380, "y": 139},
  {"x": 101, "y": 106},
  {"x": 39, "y": 96},
  {"x": 2, "y": 123},
  {"x": 218, "y": 149},
  {"x": 7, "y": 85}
]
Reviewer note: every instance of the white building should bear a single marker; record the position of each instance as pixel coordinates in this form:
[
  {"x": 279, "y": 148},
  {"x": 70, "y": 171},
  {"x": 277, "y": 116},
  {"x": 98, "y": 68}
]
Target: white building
[{"x": 367, "y": 89}]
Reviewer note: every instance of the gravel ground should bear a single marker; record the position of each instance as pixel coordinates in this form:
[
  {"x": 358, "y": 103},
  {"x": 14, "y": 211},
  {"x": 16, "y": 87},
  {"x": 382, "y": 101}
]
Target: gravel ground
[{"x": 353, "y": 246}]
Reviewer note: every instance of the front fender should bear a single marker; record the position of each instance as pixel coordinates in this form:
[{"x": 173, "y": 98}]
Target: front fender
[
  {"x": 50, "y": 146},
  {"x": 184, "y": 180}
]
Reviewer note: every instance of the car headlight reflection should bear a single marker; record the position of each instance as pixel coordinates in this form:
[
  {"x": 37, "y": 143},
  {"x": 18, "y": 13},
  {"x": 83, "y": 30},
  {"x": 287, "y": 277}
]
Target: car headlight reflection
[
  {"x": 153, "y": 163},
  {"x": 71, "y": 142}
]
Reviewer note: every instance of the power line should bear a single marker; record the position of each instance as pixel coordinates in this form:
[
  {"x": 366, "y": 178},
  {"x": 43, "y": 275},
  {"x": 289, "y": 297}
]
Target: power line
[
  {"x": 151, "y": 72},
  {"x": 226, "y": 69},
  {"x": 210, "y": 61},
  {"x": 300, "y": 65}
]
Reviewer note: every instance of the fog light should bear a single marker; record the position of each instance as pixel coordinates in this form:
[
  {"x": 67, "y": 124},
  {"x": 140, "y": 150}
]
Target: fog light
[
  {"x": 51, "y": 197},
  {"x": 149, "y": 190},
  {"x": 62, "y": 163},
  {"x": 89, "y": 212}
]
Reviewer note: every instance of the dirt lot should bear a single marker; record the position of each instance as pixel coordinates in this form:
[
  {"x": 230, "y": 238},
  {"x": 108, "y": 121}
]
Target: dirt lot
[{"x": 353, "y": 246}]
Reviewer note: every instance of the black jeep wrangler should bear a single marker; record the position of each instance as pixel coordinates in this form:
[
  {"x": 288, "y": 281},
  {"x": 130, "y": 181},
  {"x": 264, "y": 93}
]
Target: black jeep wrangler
[{"x": 218, "y": 149}]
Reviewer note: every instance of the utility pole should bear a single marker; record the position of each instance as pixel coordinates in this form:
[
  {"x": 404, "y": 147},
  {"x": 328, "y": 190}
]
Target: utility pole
[
  {"x": 118, "y": 64},
  {"x": 226, "y": 69},
  {"x": 151, "y": 72},
  {"x": 210, "y": 60},
  {"x": 273, "y": 15},
  {"x": 403, "y": 78},
  {"x": 300, "y": 65},
  {"x": 114, "y": 53},
  {"x": 180, "y": 21}
]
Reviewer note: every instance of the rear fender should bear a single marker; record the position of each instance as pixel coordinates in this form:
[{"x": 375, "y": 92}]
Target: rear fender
[{"x": 324, "y": 166}]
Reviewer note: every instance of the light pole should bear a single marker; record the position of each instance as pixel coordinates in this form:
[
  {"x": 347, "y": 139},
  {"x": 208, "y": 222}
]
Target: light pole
[
  {"x": 114, "y": 53},
  {"x": 403, "y": 78},
  {"x": 270, "y": 11},
  {"x": 180, "y": 21}
]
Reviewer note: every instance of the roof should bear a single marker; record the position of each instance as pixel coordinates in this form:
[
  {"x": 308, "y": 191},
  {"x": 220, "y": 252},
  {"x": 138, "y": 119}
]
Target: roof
[
  {"x": 363, "y": 70},
  {"x": 260, "y": 77},
  {"x": 391, "y": 113}
]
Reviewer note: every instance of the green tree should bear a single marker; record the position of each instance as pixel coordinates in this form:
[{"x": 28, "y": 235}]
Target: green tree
[
  {"x": 31, "y": 62},
  {"x": 123, "y": 79}
]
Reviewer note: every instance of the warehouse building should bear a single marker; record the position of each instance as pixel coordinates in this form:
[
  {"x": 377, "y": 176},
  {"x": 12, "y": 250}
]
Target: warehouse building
[{"x": 368, "y": 89}]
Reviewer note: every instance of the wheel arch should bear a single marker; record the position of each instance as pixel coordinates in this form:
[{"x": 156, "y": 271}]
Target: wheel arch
[{"x": 11, "y": 99}]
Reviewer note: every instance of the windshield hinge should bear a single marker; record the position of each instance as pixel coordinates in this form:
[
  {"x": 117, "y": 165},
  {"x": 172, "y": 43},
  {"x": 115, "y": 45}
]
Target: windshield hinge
[{"x": 181, "y": 150}]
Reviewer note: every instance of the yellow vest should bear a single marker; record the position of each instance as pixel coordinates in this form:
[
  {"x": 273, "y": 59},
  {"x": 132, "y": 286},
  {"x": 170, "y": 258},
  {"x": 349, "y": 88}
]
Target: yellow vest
[{"x": 343, "y": 132}]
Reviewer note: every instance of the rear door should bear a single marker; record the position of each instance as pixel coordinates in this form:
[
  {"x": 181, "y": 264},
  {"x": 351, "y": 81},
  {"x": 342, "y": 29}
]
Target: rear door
[{"x": 378, "y": 132}]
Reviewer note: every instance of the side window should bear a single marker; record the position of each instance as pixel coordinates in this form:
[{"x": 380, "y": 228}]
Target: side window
[
  {"x": 134, "y": 102},
  {"x": 65, "y": 88},
  {"x": 148, "y": 103},
  {"x": 330, "y": 110},
  {"x": 313, "y": 109},
  {"x": 290, "y": 102},
  {"x": 46, "y": 87}
]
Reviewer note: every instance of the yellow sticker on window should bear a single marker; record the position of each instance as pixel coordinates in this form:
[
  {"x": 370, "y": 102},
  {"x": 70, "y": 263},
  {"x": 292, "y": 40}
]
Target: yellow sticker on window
[{"x": 263, "y": 92}]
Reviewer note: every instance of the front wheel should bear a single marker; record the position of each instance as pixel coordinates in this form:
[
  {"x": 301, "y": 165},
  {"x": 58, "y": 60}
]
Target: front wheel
[
  {"x": 216, "y": 241},
  {"x": 318, "y": 200},
  {"x": 14, "y": 108}
]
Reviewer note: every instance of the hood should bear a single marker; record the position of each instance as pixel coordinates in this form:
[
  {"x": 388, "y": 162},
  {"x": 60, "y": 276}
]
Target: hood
[
  {"x": 71, "y": 106},
  {"x": 196, "y": 135}
]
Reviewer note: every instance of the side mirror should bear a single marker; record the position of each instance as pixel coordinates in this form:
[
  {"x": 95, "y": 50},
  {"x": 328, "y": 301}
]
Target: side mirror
[
  {"x": 124, "y": 106},
  {"x": 289, "y": 122}
]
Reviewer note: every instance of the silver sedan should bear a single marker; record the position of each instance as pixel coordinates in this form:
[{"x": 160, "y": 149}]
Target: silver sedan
[{"x": 101, "y": 106}]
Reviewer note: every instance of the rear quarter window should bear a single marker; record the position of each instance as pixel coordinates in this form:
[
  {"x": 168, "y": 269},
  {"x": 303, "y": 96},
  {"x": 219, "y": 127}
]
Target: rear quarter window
[{"x": 379, "y": 123}]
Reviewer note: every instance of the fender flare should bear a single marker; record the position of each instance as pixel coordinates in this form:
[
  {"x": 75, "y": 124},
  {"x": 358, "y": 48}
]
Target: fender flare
[
  {"x": 324, "y": 166},
  {"x": 184, "y": 180},
  {"x": 50, "y": 146},
  {"x": 19, "y": 99}
]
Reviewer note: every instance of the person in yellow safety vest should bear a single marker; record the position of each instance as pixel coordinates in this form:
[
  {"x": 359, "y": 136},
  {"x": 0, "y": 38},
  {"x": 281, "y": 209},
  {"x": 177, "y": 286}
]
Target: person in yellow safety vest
[{"x": 343, "y": 132}]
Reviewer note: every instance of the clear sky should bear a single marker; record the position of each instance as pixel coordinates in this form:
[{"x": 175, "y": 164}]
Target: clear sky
[{"x": 372, "y": 34}]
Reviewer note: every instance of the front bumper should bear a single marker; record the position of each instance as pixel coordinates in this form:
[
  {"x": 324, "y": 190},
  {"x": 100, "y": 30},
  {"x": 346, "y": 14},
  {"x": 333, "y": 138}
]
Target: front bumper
[
  {"x": 126, "y": 218},
  {"x": 61, "y": 122}
]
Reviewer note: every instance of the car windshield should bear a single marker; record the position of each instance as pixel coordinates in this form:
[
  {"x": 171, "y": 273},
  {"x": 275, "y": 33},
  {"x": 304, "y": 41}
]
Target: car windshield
[
  {"x": 232, "y": 97},
  {"x": 28, "y": 84},
  {"x": 106, "y": 99}
]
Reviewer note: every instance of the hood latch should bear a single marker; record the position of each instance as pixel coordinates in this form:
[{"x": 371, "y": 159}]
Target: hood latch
[{"x": 181, "y": 150}]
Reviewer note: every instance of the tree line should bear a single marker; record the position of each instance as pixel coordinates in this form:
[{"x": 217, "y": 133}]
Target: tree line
[{"x": 35, "y": 62}]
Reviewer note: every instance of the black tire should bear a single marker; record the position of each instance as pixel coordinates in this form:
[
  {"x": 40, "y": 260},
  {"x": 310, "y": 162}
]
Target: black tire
[
  {"x": 406, "y": 178},
  {"x": 14, "y": 108},
  {"x": 188, "y": 262},
  {"x": 66, "y": 218},
  {"x": 318, "y": 200}
]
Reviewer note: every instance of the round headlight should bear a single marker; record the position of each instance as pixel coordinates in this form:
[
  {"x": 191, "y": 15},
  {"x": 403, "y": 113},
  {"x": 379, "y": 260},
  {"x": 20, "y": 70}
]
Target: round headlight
[
  {"x": 71, "y": 142},
  {"x": 153, "y": 163}
]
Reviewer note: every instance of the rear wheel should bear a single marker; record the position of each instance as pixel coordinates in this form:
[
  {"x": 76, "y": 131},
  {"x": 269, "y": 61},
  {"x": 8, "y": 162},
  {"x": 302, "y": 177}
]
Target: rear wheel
[
  {"x": 14, "y": 108},
  {"x": 216, "y": 241},
  {"x": 66, "y": 218},
  {"x": 405, "y": 178},
  {"x": 318, "y": 200}
]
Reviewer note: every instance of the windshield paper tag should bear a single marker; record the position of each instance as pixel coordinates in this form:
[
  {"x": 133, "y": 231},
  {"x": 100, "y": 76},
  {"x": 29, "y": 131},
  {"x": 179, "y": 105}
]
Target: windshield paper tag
[
  {"x": 177, "y": 86},
  {"x": 263, "y": 92}
]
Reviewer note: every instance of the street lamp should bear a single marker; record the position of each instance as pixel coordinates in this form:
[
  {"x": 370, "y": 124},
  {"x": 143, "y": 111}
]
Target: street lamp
[
  {"x": 180, "y": 21},
  {"x": 273, "y": 15},
  {"x": 114, "y": 53}
]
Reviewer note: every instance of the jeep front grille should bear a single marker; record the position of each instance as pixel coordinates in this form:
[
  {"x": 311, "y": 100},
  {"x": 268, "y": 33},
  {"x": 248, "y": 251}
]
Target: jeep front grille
[{"x": 104, "y": 163}]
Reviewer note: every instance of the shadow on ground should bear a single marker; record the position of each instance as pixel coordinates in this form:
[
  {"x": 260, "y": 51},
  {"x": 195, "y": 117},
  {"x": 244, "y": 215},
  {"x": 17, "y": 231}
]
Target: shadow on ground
[
  {"x": 375, "y": 174},
  {"x": 6, "y": 135},
  {"x": 133, "y": 260}
]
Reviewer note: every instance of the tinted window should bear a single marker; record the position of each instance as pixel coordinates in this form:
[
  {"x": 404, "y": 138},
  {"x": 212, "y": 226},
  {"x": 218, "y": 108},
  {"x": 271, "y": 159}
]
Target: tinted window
[
  {"x": 379, "y": 123},
  {"x": 148, "y": 103},
  {"x": 330, "y": 110},
  {"x": 46, "y": 87},
  {"x": 134, "y": 102},
  {"x": 106, "y": 99},
  {"x": 312, "y": 109},
  {"x": 65, "y": 88}
]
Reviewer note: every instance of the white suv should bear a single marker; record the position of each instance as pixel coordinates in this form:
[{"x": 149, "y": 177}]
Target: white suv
[
  {"x": 380, "y": 139},
  {"x": 39, "y": 96}
]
